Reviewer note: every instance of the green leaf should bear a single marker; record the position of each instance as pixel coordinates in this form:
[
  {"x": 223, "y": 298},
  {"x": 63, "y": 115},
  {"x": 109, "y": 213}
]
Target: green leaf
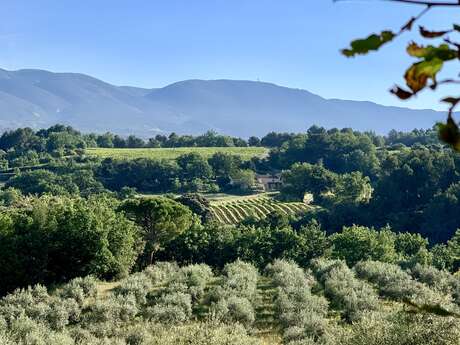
[
  {"x": 413, "y": 49},
  {"x": 364, "y": 46},
  {"x": 457, "y": 27},
  {"x": 418, "y": 74},
  {"x": 442, "y": 52}
]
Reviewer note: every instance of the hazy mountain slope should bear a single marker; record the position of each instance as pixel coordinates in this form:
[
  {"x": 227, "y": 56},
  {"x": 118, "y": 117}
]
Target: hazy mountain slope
[
  {"x": 39, "y": 98},
  {"x": 245, "y": 107},
  {"x": 43, "y": 98}
]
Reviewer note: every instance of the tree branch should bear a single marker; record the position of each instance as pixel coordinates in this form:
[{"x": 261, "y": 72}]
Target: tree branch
[
  {"x": 427, "y": 3},
  {"x": 410, "y": 23},
  {"x": 422, "y": 3}
]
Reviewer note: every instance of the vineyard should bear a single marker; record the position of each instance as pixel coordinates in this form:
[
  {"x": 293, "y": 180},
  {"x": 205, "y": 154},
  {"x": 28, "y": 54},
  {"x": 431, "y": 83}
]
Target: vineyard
[
  {"x": 330, "y": 303},
  {"x": 235, "y": 209},
  {"x": 246, "y": 153}
]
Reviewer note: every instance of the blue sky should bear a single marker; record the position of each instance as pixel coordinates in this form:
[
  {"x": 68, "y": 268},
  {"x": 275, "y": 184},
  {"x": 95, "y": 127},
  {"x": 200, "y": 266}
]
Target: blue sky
[{"x": 152, "y": 43}]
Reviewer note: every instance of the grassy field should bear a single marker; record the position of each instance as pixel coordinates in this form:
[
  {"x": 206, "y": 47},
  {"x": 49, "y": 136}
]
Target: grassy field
[
  {"x": 233, "y": 209},
  {"x": 245, "y": 153}
]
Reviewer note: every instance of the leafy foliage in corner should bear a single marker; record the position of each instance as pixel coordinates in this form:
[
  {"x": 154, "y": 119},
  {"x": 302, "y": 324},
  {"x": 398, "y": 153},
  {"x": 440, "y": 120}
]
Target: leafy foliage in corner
[{"x": 430, "y": 60}]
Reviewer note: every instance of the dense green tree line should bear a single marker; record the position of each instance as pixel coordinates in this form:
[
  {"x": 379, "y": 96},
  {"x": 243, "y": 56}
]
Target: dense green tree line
[
  {"x": 51, "y": 239},
  {"x": 188, "y": 173},
  {"x": 405, "y": 180},
  {"x": 411, "y": 188},
  {"x": 26, "y": 147}
]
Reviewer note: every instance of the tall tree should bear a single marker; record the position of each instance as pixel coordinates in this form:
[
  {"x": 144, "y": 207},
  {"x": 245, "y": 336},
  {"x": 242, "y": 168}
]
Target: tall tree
[{"x": 161, "y": 220}]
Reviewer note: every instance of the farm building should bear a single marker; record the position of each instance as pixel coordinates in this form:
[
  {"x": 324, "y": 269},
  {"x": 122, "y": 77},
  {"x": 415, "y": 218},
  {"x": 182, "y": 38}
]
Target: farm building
[{"x": 270, "y": 182}]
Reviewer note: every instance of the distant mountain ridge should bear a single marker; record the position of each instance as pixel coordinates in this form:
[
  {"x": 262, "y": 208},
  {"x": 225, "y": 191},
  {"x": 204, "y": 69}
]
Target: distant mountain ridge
[{"x": 38, "y": 98}]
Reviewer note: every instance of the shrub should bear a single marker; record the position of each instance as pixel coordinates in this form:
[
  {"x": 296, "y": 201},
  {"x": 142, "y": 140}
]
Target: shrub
[
  {"x": 161, "y": 272},
  {"x": 440, "y": 280},
  {"x": 348, "y": 294},
  {"x": 82, "y": 336},
  {"x": 298, "y": 336},
  {"x": 300, "y": 313},
  {"x": 79, "y": 289},
  {"x": 394, "y": 283},
  {"x": 298, "y": 308},
  {"x": 3, "y": 324},
  {"x": 192, "y": 279},
  {"x": 32, "y": 302},
  {"x": 171, "y": 308},
  {"x": 378, "y": 329},
  {"x": 138, "y": 285},
  {"x": 115, "y": 309},
  {"x": 285, "y": 273},
  {"x": 205, "y": 333},
  {"x": 63, "y": 312},
  {"x": 321, "y": 266},
  {"x": 232, "y": 300},
  {"x": 390, "y": 279},
  {"x": 381, "y": 274},
  {"x": 25, "y": 331},
  {"x": 234, "y": 309},
  {"x": 138, "y": 336},
  {"x": 294, "y": 304},
  {"x": 4, "y": 339},
  {"x": 241, "y": 278}
]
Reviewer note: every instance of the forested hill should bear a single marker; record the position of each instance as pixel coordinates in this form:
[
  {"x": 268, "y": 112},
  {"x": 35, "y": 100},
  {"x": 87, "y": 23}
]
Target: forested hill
[{"x": 37, "y": 99}]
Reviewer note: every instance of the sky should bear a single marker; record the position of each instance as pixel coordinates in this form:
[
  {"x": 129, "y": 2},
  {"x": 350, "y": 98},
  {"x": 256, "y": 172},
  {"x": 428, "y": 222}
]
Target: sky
[{"x": 153, "y": 43}]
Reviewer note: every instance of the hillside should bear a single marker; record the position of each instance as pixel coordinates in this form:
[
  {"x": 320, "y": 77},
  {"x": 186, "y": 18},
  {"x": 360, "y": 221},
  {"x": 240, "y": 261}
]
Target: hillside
[{"x": 38, "y": 98}]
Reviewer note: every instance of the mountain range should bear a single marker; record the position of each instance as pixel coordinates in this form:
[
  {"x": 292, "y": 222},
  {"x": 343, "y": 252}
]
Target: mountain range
[{"x": 37, "y": 99}]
